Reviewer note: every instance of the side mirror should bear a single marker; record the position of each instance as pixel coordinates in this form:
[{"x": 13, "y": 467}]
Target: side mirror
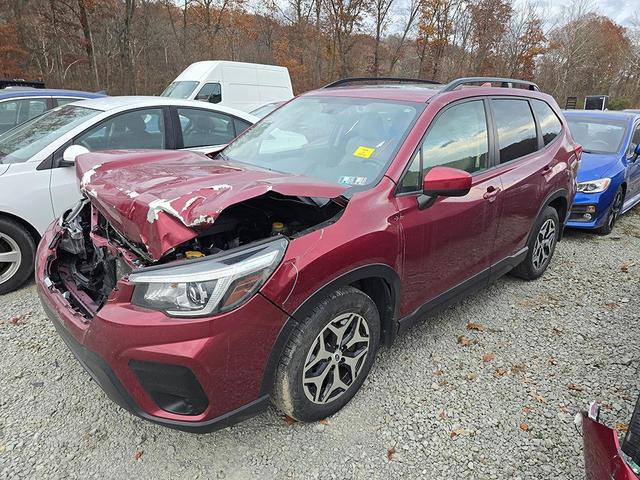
[
  {"x": 70, "y": 154},
  {"x": 443, "y": 182},
  {"x": 636, "y": 152}
]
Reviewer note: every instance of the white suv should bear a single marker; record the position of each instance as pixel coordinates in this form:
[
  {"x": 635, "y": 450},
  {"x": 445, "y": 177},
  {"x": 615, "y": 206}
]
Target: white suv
[{"x": 38, "y": 183}]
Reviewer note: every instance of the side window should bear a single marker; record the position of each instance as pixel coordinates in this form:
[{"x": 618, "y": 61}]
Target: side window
[
  {"x": 201, "y": 128},
  {"x": 137, "y": 129},
  {"x": 8, "y": 115},
  {"x": 550, "y": 125},
  {"x": 516, "y": 129},
  {"x": 240, "y": 125},
  {"x": 64, "y": 101},
  {"x": 210, "y": 92},
  {"x": 457, "y": 138}
]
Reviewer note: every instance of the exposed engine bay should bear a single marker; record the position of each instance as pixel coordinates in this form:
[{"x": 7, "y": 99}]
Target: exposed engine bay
[{"x": 92, "y": 256}]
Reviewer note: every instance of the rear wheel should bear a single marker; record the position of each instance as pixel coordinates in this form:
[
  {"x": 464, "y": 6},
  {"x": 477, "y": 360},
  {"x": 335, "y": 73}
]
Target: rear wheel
[
  {"x": 328, "y": 356},
  {"x": 17, "y": 253},
  {"x": 613, "y": 214},
  {"x": 541, "y": 245}
]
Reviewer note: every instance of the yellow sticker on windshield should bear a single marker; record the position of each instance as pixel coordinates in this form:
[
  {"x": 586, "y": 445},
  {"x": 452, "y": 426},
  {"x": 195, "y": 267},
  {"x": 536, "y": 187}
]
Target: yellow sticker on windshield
[{"x": 363, "y": 152}]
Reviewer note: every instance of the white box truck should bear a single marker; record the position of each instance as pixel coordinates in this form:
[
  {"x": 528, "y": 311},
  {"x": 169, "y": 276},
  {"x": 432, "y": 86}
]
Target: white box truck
[{"x": 245, "y": 86}]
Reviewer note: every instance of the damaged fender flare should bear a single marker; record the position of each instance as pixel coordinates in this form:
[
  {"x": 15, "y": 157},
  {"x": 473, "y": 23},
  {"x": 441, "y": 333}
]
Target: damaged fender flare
[{"x": 389, "y": 318}]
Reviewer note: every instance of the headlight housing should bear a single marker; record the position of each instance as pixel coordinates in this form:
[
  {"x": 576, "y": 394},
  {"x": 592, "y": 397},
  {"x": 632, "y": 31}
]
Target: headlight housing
[
  {"x": 206, "y": 286},
  {"x": 594, "y": 186}
]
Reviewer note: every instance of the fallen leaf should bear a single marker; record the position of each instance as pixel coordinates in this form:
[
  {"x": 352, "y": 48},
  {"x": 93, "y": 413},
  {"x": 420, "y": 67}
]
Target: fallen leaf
[
  {"x": 500, "y": 371},
  {"x": 611, "y": 305},
  {"x": 289, "y": 420},
  {"x": 518, "y": 368},
  {"x": 475, "y": 326},
  {"x": 524, "y": 426},
  {"x": 553, "y": 361},
  {"x": 539, "y": 398},
  {"x": 390, "y": 453},
  {"x": 624, "y": 268},
  {"x": 17, "y": 320},
  {"x": 622, "y": 427},
  {"x": 487, "y": 357},
  {"x": 442, "y": 414},
  {"x": 324, "y": 421},
  {"x": 526, "y": 409},
  {"x": 557, "y": 331},
  {"x": 458, "y": 432},
  {"x": 464, "y": 341},
  {"x": 573, "y": 386},
  {"x": 438, "y": 372},
  {"x": 138, "y": 454}
]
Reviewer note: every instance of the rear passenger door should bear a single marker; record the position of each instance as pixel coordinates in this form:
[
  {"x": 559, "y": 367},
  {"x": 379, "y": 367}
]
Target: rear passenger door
[
  {"x": 203, "y": 128},
  {"x": 522, "y": 162}
]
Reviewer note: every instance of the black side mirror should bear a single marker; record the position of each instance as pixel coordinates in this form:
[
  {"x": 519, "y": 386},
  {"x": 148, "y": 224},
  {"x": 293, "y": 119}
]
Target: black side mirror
[{"x": 636, "y": 152}]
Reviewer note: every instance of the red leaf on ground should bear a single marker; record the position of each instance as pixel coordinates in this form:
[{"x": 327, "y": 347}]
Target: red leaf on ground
[
  {"x": 524, "y": 426},
  {"x": 390, "y": 453},
  {"x": 487, "y": 357},
  {"x": 475, "y": 326},
  {"x": 289, "y": 420},
  {"x": 138, "y": 454}
]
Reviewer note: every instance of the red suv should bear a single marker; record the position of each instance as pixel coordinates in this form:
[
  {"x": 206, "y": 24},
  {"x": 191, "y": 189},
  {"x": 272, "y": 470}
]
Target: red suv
[{"x": 196, "y": 289}]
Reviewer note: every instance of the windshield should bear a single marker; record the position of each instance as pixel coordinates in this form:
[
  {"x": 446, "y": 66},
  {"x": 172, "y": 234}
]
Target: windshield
[
  {"x": 22, "y": 142},
  {"x": 348, "y": 141},
  {"x": 597, "y": 135},
  {"x": 180, "y": 89}
]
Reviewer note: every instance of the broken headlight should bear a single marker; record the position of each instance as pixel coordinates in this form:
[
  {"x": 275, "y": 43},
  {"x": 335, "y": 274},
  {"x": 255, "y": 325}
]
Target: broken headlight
[{"x": 210, "y": 285}]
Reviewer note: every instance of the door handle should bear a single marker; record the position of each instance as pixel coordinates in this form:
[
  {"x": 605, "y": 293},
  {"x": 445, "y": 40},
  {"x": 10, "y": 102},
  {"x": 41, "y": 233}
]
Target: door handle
[{"x": 491, "y": 193}]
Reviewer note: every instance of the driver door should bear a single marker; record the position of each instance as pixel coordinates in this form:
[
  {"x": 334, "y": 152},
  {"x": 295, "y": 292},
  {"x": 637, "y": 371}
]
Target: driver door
[{"x": 448, "y": 244}]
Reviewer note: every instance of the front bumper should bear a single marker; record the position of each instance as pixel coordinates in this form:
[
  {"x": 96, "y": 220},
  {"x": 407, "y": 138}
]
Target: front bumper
[
  {"x": 227, "y": 354},
  {"x": 600, "y": 203}
]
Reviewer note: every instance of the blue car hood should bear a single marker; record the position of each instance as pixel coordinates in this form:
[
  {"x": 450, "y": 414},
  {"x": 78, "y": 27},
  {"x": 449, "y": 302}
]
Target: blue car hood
[{"x": 597, "y": 165}]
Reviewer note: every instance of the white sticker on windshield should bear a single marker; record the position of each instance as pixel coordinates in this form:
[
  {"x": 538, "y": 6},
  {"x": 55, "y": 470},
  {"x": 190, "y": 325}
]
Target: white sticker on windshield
[{"x": 353, "y": 180}]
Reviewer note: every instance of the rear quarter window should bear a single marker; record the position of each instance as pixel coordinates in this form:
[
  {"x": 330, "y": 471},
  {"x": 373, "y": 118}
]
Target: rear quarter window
[{"x": 550, "y": 125}]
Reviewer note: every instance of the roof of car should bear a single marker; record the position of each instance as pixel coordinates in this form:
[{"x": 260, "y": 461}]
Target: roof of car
[
  {"x": 12, "y": 92},
  {"x": 610, "y": 114},
  {"x": 399, "y": 92},
  {"x": 112, "y": 103}
]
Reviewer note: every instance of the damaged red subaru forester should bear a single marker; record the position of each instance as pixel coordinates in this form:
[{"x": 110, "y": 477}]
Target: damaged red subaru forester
[{"x": 196, "y": 289}]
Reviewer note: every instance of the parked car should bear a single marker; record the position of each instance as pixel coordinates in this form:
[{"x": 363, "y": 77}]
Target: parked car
[
  {"x": 609, "y": 173},
  {"x": 240, "y": 85},
  {"x": 19, "y": 104},
  {"x": 38, "y": 185},
  {"x": 265, "y": 110},
  {"x": 196, "y": 289},
  {"x": 603, "y": 457}
]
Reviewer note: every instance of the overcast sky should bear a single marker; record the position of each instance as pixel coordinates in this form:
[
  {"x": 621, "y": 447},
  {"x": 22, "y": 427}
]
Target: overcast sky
[{"x": 621, "y": 11}]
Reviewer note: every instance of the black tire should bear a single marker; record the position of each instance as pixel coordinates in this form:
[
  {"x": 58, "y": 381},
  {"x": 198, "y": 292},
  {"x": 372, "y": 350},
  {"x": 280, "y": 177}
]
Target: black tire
[
  {"x": 292, "y": 395},
  {"x": 613, "y": 213},
  {"x": 532, "y": 266},
  {"x": 14, "y": 237}
]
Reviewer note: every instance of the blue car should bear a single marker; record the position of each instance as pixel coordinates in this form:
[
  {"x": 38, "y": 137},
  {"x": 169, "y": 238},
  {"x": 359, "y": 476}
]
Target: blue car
[
  {"x": 609, "y": 173},
  {"x": 19, "y": 104}
]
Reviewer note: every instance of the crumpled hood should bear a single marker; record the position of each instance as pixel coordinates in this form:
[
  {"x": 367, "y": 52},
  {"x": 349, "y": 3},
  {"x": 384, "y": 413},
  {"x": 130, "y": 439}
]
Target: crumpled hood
[
  {"x": 596, "y": 165},
  {"x": 164, "y": 198}
]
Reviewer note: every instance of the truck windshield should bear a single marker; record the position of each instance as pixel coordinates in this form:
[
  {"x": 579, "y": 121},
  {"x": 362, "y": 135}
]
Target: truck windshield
[
  {"x": 180, "y": 89},
  {"x": 348, "y": 141},
  {"x": 22, "y": 142},
  {"x": 597, "y": 135}
]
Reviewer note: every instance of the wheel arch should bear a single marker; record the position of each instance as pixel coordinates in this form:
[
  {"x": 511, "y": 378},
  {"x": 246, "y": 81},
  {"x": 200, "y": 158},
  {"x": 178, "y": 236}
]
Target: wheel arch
[
  {"x": 560, "y": 202},
  {"x": 378, "y": 281},
  {"x": 23, "y": 223}
]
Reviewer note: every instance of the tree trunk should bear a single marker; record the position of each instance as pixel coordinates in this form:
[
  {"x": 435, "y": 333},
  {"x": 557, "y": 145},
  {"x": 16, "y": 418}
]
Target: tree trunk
[{"x": 88, "y": 41}]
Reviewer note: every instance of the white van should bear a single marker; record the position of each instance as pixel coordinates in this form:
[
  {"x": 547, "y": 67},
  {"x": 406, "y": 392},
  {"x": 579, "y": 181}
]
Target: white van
[{"x": 245, "y": 86}]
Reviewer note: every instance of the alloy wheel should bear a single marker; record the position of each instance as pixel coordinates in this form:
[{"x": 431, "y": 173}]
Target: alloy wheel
[
  {"x": 616, "y": 206},
  {"x": 10, "y": 257},
  {"x": 335, "y": 358},
  {"x": 544, "y": 244}
]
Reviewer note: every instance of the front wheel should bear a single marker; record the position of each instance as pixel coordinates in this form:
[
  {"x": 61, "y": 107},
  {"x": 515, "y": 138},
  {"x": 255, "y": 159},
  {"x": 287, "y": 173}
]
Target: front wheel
[
  {"x": 17, "y": 253},
  {"x": 613, "y": 214},
  {"x": 328, "y": 356},
  {"x": 542, "y": 244}
]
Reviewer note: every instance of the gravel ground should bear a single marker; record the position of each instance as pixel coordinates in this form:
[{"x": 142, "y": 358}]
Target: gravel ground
[{"x": 445, "y": 401}]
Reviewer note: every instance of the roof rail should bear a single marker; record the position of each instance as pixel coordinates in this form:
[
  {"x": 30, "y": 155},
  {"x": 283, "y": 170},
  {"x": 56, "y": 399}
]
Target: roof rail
[
  {"x": 344, "y": 81},
  {"x": 505, "y": 82},
  {"x": 20, "y": 83}
]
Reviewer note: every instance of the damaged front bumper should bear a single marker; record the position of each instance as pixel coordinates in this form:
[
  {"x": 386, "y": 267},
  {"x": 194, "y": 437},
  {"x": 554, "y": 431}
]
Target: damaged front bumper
[{"x": 197, "y": 374}]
